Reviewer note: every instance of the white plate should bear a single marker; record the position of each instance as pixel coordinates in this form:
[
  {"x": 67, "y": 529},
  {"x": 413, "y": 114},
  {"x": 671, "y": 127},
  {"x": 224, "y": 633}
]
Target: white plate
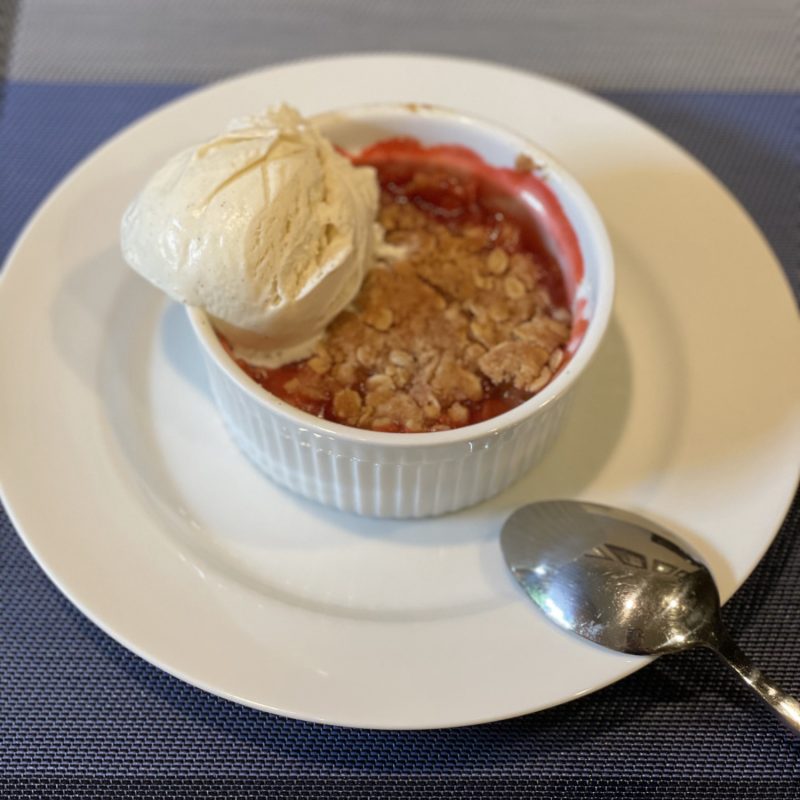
[{"x": 124, "y": 486}]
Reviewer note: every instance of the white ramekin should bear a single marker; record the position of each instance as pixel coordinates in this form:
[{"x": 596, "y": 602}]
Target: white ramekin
[{"x": 417, "y": 474}]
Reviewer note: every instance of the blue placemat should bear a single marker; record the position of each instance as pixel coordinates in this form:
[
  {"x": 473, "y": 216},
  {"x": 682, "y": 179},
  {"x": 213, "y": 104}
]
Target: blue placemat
[{"x": 82, "y": 717}]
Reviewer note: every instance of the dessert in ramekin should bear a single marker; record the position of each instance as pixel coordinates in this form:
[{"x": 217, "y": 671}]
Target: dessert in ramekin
[{"x": 394, "y": 426}]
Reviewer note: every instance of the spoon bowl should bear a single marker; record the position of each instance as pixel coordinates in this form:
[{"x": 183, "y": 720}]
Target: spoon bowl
[{"x": 623, "y": 582}]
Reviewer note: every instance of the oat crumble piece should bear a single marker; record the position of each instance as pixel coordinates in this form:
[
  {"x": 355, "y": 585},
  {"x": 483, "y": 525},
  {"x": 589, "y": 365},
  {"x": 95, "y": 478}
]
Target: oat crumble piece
[{"x": 524, "y": 163}]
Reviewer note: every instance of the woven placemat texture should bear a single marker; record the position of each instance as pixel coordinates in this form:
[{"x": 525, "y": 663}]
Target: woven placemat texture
[
  {"x": 82, "y": 717},
  {"x": 728, "y": 45}
]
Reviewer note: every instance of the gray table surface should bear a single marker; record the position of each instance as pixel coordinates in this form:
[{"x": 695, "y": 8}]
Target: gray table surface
[{"x": 731, "y": 45}]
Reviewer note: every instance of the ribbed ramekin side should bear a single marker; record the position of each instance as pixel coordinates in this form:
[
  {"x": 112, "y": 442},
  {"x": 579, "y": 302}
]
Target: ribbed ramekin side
[{"x": 375, "y": 479}]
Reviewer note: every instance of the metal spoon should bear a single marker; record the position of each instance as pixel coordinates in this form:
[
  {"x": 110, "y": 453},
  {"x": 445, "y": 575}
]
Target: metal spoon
[{"x": 620, "y": 581}]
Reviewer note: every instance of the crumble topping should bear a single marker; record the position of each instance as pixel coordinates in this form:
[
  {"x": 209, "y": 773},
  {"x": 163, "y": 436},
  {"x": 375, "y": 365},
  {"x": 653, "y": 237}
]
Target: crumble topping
[{"x": 459, "y": 328}]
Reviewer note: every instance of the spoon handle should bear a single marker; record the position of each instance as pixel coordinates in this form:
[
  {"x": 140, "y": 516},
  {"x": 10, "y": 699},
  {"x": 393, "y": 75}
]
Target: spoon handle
[{"x": 784, "y": 705}]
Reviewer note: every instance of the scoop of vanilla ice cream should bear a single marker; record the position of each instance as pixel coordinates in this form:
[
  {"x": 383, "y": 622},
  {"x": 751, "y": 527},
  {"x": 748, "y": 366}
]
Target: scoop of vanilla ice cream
[{"x": 267, "y": 228}]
